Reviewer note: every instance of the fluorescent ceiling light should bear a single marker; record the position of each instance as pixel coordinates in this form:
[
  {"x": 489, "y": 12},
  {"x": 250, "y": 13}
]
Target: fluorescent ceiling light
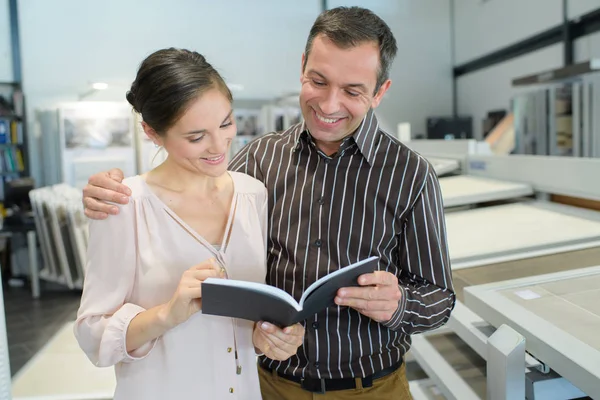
[{"x": 99, "y": 85}]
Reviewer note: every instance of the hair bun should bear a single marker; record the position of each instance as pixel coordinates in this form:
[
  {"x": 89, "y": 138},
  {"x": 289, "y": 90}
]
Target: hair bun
[{"x": 130, "y": 96}]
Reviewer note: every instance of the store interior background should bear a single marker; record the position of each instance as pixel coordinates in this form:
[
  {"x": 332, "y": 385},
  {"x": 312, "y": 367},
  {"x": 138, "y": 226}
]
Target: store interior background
[{"x": 67, "y": 45}]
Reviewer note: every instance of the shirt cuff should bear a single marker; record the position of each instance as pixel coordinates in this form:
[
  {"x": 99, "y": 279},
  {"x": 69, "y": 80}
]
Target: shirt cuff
[
  {"x": 117, "y": 332},
  {"x": 396, "y": 320}
]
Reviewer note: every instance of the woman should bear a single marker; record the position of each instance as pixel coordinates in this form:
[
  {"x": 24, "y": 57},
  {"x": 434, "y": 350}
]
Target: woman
[{"x": 187, "y": 220}]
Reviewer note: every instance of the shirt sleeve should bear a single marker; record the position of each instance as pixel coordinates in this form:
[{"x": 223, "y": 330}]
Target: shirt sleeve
[
  {"x": 104, "y": 313},
  {"x": 426, "y": 277}
]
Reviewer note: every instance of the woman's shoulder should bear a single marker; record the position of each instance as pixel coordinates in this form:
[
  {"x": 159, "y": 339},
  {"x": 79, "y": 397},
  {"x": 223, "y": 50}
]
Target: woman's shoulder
[
  {"x": 247, "y": 184},
  {"x": 138, "y": 186}
]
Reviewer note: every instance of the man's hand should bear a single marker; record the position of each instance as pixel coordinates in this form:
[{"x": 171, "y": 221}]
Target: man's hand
[
  {"x": 377, "y": 298},
  {"x": 275, "y": 343},
  {"x": 103, "y": 187}
]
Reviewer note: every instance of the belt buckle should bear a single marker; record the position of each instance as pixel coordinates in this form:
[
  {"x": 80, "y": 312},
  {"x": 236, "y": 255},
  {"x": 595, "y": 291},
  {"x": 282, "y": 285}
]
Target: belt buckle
[{"x": 313, "y": 388}]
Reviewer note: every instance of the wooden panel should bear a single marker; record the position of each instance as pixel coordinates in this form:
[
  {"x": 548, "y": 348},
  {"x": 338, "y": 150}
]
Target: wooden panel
[{"x": 575, "y": 201}]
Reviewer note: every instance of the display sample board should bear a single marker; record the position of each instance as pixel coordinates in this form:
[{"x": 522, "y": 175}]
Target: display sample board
[
  {"x": 559, "y": 316},
  {"x": 518, "y": 230},
  {"x": 464, "y": 190}
]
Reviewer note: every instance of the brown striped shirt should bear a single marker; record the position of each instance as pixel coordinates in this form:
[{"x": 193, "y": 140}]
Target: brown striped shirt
[{"x": 375, "y": 196}]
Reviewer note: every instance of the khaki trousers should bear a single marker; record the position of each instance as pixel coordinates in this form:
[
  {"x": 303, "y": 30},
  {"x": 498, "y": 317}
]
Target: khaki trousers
[{"x": 392, "y": 386}]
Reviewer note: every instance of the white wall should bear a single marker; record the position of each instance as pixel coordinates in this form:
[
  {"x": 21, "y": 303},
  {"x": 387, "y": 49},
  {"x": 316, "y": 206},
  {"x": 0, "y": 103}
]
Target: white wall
[
  {"x": 490, "y": 88},
  {"x": 483, "y": 27},
  {"x": 422, "y": 72},
  {"x": 255, "y": 44},
  {"x": 576, "y": 8},
  {"x": 587, "y": 47},
  {"x": 6, "y": 73},
  {"x": 67, "y": 44}
]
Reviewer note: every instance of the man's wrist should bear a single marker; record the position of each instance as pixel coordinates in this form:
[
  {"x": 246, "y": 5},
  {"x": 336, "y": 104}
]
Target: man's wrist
[{"x": 398, "y": 315}]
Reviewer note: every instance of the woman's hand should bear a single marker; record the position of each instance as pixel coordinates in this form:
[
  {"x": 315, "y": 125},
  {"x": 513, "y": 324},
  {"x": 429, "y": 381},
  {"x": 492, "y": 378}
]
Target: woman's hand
[
  {"x": 275, "y": 343},
  {"x": 187, "y": 299}
]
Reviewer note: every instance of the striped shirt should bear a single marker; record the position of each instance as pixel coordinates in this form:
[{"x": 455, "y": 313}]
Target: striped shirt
[{"x": 375, "y": 196}]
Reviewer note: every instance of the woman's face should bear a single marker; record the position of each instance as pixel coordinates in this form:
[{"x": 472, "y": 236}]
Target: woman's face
[{"x": 200, "y": 140}]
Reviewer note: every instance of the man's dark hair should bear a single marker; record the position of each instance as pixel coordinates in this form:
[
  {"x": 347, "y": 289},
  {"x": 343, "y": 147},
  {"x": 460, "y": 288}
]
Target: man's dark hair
[{"x": 348, "y": 27}]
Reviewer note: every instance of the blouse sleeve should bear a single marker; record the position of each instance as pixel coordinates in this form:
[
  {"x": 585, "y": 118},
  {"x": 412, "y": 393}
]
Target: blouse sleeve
[
  {"x": 263, "y": 210},
  {"x": 104, "y": 313}
]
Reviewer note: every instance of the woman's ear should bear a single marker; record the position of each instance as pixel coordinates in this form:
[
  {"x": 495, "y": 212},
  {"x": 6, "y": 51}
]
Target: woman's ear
[{"x": 152, "y": 135}]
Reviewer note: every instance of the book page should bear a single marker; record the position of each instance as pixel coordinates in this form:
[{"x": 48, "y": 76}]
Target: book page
[{"x": 257, "y": 287}]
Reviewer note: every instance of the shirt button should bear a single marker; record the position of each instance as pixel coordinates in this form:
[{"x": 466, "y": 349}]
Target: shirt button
[
  {"x": 318, "y": 243},
  {"x": 229, "y": 349},
  {"x": 321, "y": 201},
  {"x": 315, "y": 325},
  {"x": 327, "y": 160},
  {"x": 230, "y": 390},
  {"x": 317, "y": 364}
]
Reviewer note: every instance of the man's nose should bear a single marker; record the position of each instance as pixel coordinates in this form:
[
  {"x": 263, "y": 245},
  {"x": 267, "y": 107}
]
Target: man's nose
[{"x": 330, "y": 104}]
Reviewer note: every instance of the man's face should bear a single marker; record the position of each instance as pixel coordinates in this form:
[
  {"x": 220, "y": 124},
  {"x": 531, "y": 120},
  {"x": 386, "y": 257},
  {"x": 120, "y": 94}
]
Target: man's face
[{"x": 338, "y": 90}]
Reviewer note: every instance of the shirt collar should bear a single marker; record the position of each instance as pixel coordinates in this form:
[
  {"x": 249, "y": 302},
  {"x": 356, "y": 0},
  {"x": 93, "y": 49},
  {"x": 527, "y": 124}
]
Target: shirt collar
[{"x": 365, "y": 136}]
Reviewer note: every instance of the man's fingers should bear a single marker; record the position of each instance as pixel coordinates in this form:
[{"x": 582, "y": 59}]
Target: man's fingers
[
  {"x": 378, "y": 278},
  {"x": 367, "y": 305},
  {"x": 275, "y": 348},
  {"x": 279, "y": 337},
  {"x": 368, "y": 293},
  {"x": 116, "y": 174},
  {"x": 107, "y": 183},
  {"x": 106, "y": 194},
  {"x": 378, "y": 316},
  {"x": 94, "y": 205},
  {"x": 294, "y": 330},
  {"x": 279, "y": 354},
  {"x": 95, "y": 214}
]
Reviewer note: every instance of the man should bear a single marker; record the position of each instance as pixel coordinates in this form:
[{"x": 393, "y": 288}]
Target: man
[{"x": 341, "y": 190}]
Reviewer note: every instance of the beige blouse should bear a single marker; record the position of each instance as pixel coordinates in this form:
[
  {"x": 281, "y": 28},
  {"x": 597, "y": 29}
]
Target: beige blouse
[{"x": 135, "y": 262}]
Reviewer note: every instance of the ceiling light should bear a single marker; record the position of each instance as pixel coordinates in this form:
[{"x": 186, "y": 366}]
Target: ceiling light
[{"x": 99, "y": 85}]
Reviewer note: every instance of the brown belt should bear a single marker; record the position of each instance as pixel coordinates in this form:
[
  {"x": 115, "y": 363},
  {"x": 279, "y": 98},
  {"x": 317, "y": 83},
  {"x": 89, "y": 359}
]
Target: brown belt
[{"x": 315, "y": 385}]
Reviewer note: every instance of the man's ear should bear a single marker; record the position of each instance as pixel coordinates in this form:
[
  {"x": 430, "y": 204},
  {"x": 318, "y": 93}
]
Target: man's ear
[
  {"x": 379, "y": 95},
  {"x": 151, "y": 133}
]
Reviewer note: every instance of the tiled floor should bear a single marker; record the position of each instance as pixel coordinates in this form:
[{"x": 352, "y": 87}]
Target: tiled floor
[{"x": 31, "y": 323}]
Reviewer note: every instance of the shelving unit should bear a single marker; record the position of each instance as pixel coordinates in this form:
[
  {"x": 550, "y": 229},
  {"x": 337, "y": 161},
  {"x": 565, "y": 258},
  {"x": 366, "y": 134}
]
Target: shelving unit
[
  {"x": 559, "y": 115},
  {"x": 14, "y": 161}
]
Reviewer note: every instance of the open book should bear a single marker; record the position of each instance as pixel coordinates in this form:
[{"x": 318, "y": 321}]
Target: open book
[{"x": 261, "y": 302}]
